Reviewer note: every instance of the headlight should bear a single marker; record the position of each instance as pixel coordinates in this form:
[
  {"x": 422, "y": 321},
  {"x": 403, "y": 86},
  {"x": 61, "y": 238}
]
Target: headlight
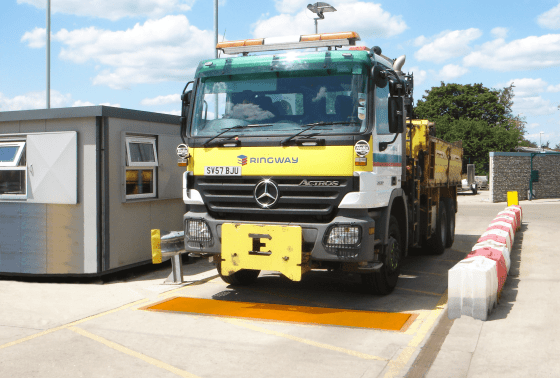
[
  {"x": 197, "y": 231},
  {"x": 183, "y": 151},
  {"x": 343, "y": 237}
]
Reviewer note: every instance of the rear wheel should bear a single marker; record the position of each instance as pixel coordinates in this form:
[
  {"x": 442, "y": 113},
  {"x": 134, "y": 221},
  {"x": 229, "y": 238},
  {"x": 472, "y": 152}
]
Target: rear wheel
[
  {"x": 242, "y": 277},
  {"x": 450, "y": 207},
  {"x": 474, "y": 188},
  {"x": 436, "y": 244},
  {"x": 384, "y": 281}
]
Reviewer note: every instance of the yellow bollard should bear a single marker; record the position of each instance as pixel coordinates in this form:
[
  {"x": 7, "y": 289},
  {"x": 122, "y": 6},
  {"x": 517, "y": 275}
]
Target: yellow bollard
[
  {"x": 156, "y": 247},
  {"x": 512, "y": 198}
]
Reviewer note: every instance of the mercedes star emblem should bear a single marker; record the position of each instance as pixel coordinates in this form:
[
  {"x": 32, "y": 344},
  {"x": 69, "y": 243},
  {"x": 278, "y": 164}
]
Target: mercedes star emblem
[{"x": 266, "y": 193}]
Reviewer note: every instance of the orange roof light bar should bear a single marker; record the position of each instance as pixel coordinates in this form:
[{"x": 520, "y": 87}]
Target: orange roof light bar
[{"x": 288, "y": 43}]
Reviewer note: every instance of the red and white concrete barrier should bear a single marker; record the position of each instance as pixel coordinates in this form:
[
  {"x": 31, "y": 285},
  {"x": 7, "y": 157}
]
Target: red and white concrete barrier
[{"x": 475, "y": 283}]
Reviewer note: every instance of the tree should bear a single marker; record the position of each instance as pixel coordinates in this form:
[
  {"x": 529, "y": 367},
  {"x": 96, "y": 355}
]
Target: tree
[
  {"x": 480, "y": 117},
  {"x": 478, "y": 138},
  {"x": 470, "y": 101}
]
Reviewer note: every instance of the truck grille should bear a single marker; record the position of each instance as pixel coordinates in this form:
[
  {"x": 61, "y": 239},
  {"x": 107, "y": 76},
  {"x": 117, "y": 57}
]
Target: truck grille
[{"x": 225, "y": 196}]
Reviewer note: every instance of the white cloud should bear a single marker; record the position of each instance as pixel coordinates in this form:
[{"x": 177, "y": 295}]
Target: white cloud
[
  {"x": 353, "y": 15},
  {"x": 526, "y": 86},
  {"x": 177, "y": 113},
  {"x": 290, "y": 6},
  {"x": 553, "y": 88},
  {"x": 419, "y": 75},
  {"x": 82, "y": 103},
  {"x": 451, "y": 71},
  {"x": 447, "y": 45},
  {"x": 550, "y": 19},
  {"x": 114, "y": 10},
  {"x": 522, "y": 54},
  {"x": 34, "y": 100},
  {"x": 533, "y": 106},
  {"x": 109, "y": 104},
  {"x": 162, "y": 100},
  {"x": 533, "y": 125},
  {"x": 35, "y": 38},
  {"x": 38, "y": 100},
  {"x": 419, "y": 41},
  {"x": 158, "y": 50},
  {"x": 499, "y": 32}
]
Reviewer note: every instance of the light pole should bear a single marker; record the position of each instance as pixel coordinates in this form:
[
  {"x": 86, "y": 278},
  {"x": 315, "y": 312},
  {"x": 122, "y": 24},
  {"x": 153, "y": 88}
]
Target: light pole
[
  {"x": 48, "y": 54},
  {"x": 540, "y": 139},
  {"x": 319, "y": 8}
]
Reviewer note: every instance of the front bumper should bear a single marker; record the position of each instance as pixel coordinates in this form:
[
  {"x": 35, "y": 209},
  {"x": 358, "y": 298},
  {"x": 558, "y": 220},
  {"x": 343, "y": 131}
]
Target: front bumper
[{"x": 313, "y": 235}]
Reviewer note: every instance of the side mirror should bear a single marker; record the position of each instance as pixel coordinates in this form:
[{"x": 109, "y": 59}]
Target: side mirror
[
  {"x": 186, "y": 97},
  {"x": 186, "y": 102},
  {"x": 379, "y": 76},
  {"x": 396, "y": 115}
]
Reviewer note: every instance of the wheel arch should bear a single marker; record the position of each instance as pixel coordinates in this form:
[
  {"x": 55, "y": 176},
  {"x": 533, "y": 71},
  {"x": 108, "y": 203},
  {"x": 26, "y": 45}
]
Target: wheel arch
[{"x": 396, "y": 207}]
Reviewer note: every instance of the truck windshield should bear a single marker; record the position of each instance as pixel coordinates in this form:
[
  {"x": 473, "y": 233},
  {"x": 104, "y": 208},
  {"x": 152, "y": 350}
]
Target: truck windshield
[{"x": 284, "y": 104}]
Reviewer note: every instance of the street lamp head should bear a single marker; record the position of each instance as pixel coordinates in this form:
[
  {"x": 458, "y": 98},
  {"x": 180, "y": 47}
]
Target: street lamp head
[{"x": 319, "y": 8}]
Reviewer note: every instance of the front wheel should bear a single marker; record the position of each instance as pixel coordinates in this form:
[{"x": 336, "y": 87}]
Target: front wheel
[
  {"x": 384, "y": 281},
  {"x": 242, "y": 277}
]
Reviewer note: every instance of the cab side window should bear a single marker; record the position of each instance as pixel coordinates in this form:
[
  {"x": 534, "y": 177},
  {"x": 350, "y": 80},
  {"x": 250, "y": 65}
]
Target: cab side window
[{"x": 382, "y": 110}]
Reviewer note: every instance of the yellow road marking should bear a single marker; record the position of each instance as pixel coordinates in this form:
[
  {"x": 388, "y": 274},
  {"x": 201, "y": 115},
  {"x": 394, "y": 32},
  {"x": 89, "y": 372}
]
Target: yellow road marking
[
  {"x": 414, "y": 326},
  {"x": 71, "y": 324},
  {"x": 395, "y": 366},
  {"x": 130, "y": 352},
  {"x": 419, "y": 291},
  {"x": 302, "y": 340}
]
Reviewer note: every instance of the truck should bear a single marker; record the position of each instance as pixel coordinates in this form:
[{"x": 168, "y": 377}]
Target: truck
[{"x": 301, "y": 153}]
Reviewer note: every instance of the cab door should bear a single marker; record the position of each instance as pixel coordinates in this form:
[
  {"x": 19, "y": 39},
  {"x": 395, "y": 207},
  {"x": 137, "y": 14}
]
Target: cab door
[{"x": 387, "y": 162}]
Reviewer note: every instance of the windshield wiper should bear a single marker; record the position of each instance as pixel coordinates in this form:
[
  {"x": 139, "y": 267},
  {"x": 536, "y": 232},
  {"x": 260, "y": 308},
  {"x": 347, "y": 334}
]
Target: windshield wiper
[
  {"x": 309, "y": 126},
  {"x": 233, "y": 128}
]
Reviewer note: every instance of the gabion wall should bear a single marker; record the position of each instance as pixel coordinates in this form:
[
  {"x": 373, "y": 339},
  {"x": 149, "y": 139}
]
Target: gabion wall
[{"x": 512, "y": 171}]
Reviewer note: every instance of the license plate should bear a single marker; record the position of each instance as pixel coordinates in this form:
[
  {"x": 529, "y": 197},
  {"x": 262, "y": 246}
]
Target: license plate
[
  {"x": 222, "y": 171},
  {"x": 262, "y": 247}
]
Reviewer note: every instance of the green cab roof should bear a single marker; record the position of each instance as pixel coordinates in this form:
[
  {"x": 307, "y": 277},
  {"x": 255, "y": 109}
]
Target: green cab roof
[{"x": 339, "y": 61}]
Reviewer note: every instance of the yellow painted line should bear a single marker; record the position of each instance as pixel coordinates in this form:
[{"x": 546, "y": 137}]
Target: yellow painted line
[
  {"x": 130, "y": 352},
  {"x": 285, "y": 313},
  {"x": 414, "y": 326},
  {"x": 31, "y": 337},
  {"x": 304, "y": 341},
  {"x": 419, "y": 291},
  {"x": 395, "y": 366}
]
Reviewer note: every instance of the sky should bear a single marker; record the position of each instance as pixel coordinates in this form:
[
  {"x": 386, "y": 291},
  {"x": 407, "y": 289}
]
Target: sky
[{"x": 139, "y": 54}]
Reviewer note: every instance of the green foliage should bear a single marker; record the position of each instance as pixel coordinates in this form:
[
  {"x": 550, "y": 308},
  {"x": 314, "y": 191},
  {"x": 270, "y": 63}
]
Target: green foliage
[
  {"x": 470, "y": 101},
  {"x": 478, "y": 138},
  {"x": 527, "y": 143},
  {"x": 479, "y": 117}
]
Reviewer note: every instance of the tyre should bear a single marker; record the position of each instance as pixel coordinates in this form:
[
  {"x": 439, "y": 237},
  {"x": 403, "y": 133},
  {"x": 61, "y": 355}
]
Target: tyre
[
  {"x": 450, "y": 207},
  {"x": 436, "y": 244},
  {"x": 242, "y": 277},
  {"x": 384, "y": 281}
]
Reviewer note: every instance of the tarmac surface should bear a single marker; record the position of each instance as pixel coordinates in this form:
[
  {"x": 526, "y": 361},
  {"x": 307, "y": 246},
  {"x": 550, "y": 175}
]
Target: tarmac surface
[{"x": 98, "y": 329}]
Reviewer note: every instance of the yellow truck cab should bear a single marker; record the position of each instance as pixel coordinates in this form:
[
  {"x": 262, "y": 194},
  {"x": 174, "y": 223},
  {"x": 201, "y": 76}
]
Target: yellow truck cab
[{"x": 298, "y": 160}]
